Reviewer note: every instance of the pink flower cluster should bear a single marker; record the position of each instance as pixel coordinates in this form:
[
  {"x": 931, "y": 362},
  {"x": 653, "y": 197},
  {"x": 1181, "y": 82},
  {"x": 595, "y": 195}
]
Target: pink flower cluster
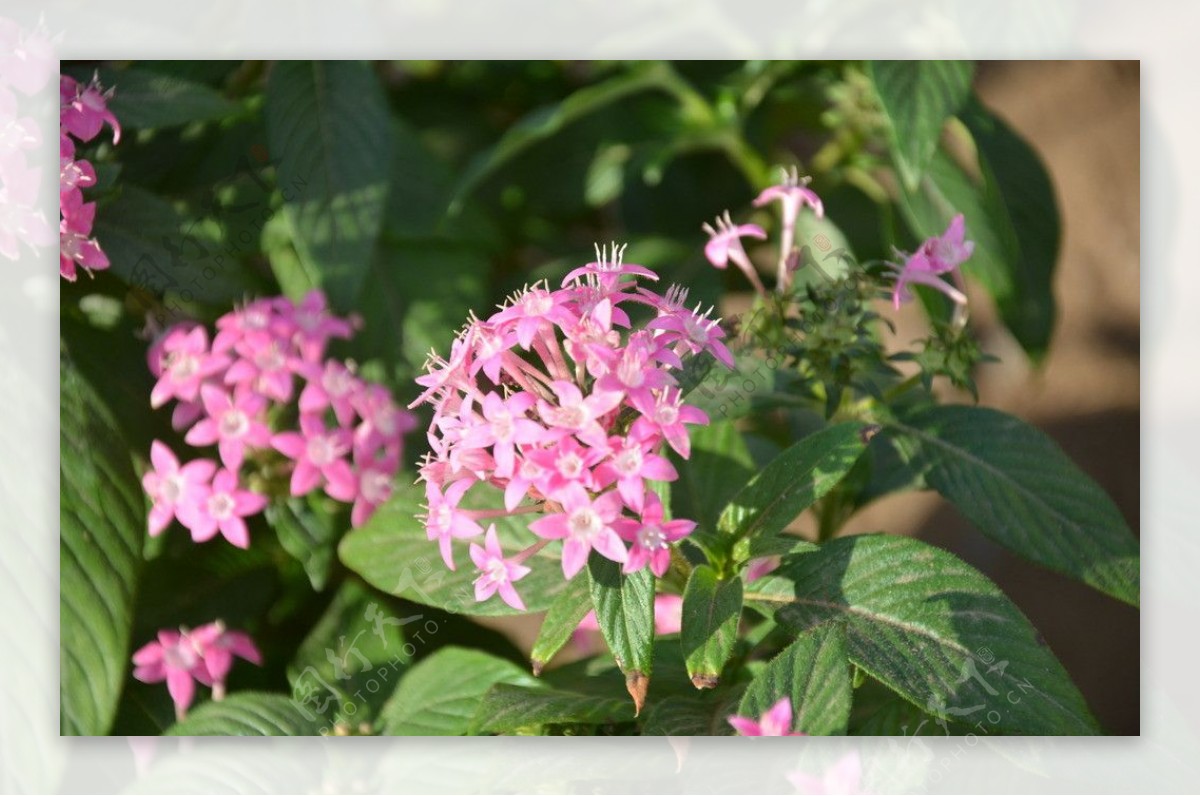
[
  {"x": 183, "y": 656},
  {"x": 83, "y": 112},
  {"x": 558, "y": 403},
  {"x": 27, "y": 62},
  {"x": 267, "y": 364}
]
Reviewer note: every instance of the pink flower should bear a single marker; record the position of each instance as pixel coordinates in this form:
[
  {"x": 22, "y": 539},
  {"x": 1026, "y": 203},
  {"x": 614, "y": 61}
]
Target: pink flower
[
  {"x": 315, "y": 326},
  {"x": 84, "y": 109},
  {"x": 314, "y": 450},
  {"x": 725, "y": 244},
  {"x": 695, "y": 332},
  {"x": 792, "y": 194},
  {"x": 218, "y": 646},
  {"x": 76, "y": 246},
  {"x": 173, "y": 488},
  {"x": 583, "y": 525},
  {"x": 577, "y": 414},
  {"x": 331, "y": 385},
  {"x": 222, "y": 507},
  {"x": 666, "y": 416},
  {"x": 496, "y": 573},
  {"x": 631, "y": 463},
  {"x": 233, "y": 423},
  {"x": 532, "y": 310},
  {"x": 27, "y": 58},
  {"x": 445, "y": 521},
  {"x": 383, "y": 422},
  {"x": 372, "y": 490},
  {"x": 652, "y": 537},
  {"x": 776, "y": 721},
  {"x": 183, "y": 364},
  {"x": 20, "y": 219},
  {"x": 938, "y": 255},
  {"x": 265, "y": 366},
  {"x": 505, "y": 427},
  {"x": 668, "y": 614},
  {"x": 175, "y": 658}
]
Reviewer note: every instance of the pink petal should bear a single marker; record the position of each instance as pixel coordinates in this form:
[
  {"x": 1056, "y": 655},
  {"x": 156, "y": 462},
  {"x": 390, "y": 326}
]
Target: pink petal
[{"x": 234, "y": 530}]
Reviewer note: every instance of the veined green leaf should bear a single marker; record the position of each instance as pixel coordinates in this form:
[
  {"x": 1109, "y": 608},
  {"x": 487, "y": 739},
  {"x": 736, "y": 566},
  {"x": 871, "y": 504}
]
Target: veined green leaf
[
  {"x": 564, "y": 616},
  {"x": 149, "y": 100},
  {"x": 625, "y": 612},
  {"x": 249, "y": 713},
  {"x": 813, "y": 672},
  {"x": 711, "y": 609},
  {"x": 510, "y": 707}
]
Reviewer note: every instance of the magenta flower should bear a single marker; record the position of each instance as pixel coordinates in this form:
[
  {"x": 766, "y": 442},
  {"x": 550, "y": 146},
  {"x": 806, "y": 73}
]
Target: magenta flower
[
  {"x": 175, "y": 658},
  {"x": 84, "y": 109},
  {"x": 792, "y": 194},
  {"x": 496, "y": 573},
  {"x": 265, "y": 366},
  {"x": 694, "y": 332},
  {"x": 222, "y": 507},
  {"x": 725, "y": 244},
  {"x": 314, "y": 450},
  {"x": 184, "y": 362},
  {"x": 633, "y": 462},
  {"x": 651, "y": 537},
  {"x": 666, "y": 417},
  {"x": 218, "y": 646},
  {"x": 533, "y": 310},
  {"x": 331, "y": 385},
  {"x": 776, "y": 721},
  {"x": 76, "y": 246},
  {"x": 233, "y": 423},
  {"x": 936, "y": 256},
  {"x": 315, "y": 326},
  {"x": 173, "y": 488},
  {"x": 577, "y": 414},
  {"x": 583, "y": 525}
]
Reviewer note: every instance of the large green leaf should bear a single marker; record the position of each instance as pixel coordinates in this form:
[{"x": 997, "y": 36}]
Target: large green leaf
[
  {"x": 702, "y": 713},
  {"x": 917, "y": 98},
  {"x": 511, "y": 707},
  {"x": 441, "y": 695},
  {"x": 250, "y": 713},
  {"x": 560, "y": 623},
  {"x": 719, "y": 466},
  {"x": 329, "y": 133},
  {"x": 625, "y": 612},
  {"x": 149, "y": 100},
  {"x": 932, "y": 629},
  {"x": 308, "y": 531},
  {"x": 393, "y": 554},
  {"x": 791, "y": 483},
  {"x": 814, "y": 673},
  {"x": 545, "y": 122},
  {"x": 1011, "y": 165},
  {"x": 1021, "y": 490},
  {"x": 711, "y": 609},
  {"x": 102, "y": 521},
  {"x": 353, "y": 657}
]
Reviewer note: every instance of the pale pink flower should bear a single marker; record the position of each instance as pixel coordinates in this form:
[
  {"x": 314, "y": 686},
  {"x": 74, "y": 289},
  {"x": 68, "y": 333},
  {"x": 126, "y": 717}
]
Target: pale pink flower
[
  {"x": 373, "y": 489},
  {"x": 505, "y": 426},
  {"x": 314, "y": 326},
  {"x": 331, "y": 385},
  {"x": 938, "y": 255},
  {"x": 27, "y": 58},
  {"x": 234, "y": 422},
  {"x": 607, "y": 269},
  {"x": 222, "y": 507},
  {"x": 792, "y": 194},
  {"x": 651, "y": 537},
  {"x": 254, "y": 321},
  {"x": 383, "y": 425},
  {"x": 529, "y": 312},
  {"x": 725, "y": 244},
  {"x": 172, "y": 657},
  {"x": 666, "y": 417},
  {"x": 631, "y": 463},
  {"x": 577, "y": 414},
  {"x": 184, "y": 363},
  {"x": 445, "y": 521},
  {"x": 173, "y": 488},
  {"x": 20, "y": 219},
  {"x": 315, "y": 451},
  {"x": 566, "y": 462},
  {"x": 265, "y": 366},
  {"x": 496, "y": 573},
  {"x": 218, "y": 646},
  {"x": 583, "y": 525},
  {"x": 776, "y": 721}
]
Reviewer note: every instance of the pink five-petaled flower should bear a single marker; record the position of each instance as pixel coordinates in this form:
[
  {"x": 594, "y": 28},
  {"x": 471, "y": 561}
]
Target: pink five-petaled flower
[
  {"x": 84, "y": 110},
  {"x": 173, "y": 488},
  {"x": 577, "y": 414},
  {"x": 367, "y": 485},
  {"x": 183, "y": 363},
  {"x": 444, "y": 520},
  {"x": 315, "y": 451},
  {"x": 583, "y": 525},
  {"x": 504, "y": 427},
  {"x": 496, "y": 573},
  {"x": 651, "y": 537},
  {"x": 631, "y": 463},
  {"x": 331, "y": 385},
  {"x": 173, "y": 657},
  {"x": 937, "y": 255},
  {"x": 222, "y": 507},
  {"x": 535, "y": 308},
  {"x": 233, "y": 423},
  {"x": 725, "y": 244},
  {"x": 76, "y": 246},
  {"x": 792, "y": 193},
  {"x": 776, "y": 721},
  {"x": 695, "y": 332},
  {"x": 218, "y": 645},
  {"x": 666, "y": 416}
]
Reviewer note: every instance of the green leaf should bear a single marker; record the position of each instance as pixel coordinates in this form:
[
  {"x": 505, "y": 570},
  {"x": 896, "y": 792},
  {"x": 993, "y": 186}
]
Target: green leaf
[
  {"x": 791, "y": 483},
  {"x": 393, "y": 554},
  {"x": 307, "y": 531},
  {"x": 249, "y": 713},
  {"x": 545, "y": 122},
  {"x": 1021, "y": 490},
  {"x": 329, "y": 132},
  {"x": 917, "y": 98},
  {"x": 148, "y": 100},
  {"x": 711, "y": 609},
  {"x": 511, "y": 707},
  {"x": 932, "y": 629},
  {"x": 102, "y": 521},
  {"x": 442, "y": 693},
  {"x": 695, "y": 714},
  {"x": 719, "y": 466},
  {"x": 625, "y": 612},
  {"x": 564, "y": 616},
  {"x": 353, "y": 657},
  {"x": 1011, "y": 165},
  {"x": 814, "y": 673}
]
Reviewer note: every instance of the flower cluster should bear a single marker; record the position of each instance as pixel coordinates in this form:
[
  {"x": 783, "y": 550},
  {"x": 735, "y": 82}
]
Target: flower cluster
[
  {"x": 183, "y": 657},
  {"x": 27, "y": 62},
  {"x": 267, "y": 357},
  {"x": 556, "y": 401},
  {"x": 83, "y": 112}
]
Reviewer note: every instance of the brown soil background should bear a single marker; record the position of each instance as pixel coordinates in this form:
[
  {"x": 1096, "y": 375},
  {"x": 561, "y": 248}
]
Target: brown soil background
[{"x": 1083, "y": 118}]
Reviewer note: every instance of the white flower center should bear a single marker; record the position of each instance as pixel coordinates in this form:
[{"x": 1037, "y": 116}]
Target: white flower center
[
  {"x": 220, "y": 505},
  {"x": 495, "y": 571},
  {"x": 666, "y": 414},
  {"x": 531, "y": 470},
  {"x": 628, "y": 461},
  {"x": 583, "y": 524},
  {"x": 270, "y": 359},
  {"x": 234, "y": 423},
  {"x": 337, "y": 382},
  {"x": 181, "y": 365},
  {"x": 536, "y": 303},
  {"x": 376, "y": 487},
  {"x": 570, "y": 465},
  {"x": 502, "y": 425},
  {"x": 172, "y": 488},
  {"x": 569, "y": 416},
  {"x": 651, "y": 537},
  {"x": 320, "y": 450},
  {"x": 179, "y": 656}
]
